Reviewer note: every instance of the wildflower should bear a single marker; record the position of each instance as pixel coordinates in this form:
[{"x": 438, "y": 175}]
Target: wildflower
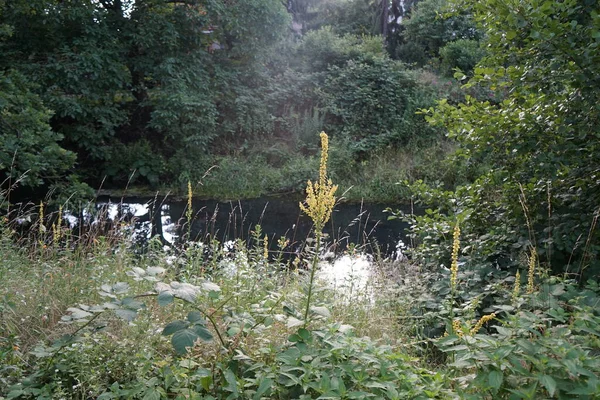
[
  {"x": 42, "y": 228},
  {"x": 320, "y": 196},
  {"x": 188, "y": 212},
  {"x": 57, "y": 226},
  {"x": 457, "y": 328},
  {"x": 454, "y": 265},
  {"x": 482, "y": 321},
  {"x": 266, "y": 247},
  {"x": 517, "y": 288},
  {"x": 531, "y": 271}
]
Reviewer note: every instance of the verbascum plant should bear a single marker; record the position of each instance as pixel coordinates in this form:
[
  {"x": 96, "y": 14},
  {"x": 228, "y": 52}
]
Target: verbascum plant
[
  {"x": 189, "y": 210},
  {"x": 320, "y": 196},
  {"x": 457, "y": 328},
  {"x": 320, "y": 199},
  {"x": 517, "y": 288},
  {"x": 482, "y": 320},
  {"x": 454, "y": 264},
  {"x": 56, "y": 227},
  {"x": 41, "y": 227},
  {"x": 531, "y": 271},
  {"x": 266, "y": 247}
]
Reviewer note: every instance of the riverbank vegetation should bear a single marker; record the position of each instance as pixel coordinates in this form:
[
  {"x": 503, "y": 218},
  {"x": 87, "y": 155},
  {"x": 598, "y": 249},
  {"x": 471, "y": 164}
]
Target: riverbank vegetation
[
  {"x": 90, "y": 316},
  {"x": 153, "y": 94},
  {"x": 483, "y": 112}
]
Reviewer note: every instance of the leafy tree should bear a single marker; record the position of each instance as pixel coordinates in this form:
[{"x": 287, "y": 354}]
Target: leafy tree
[
  {"x": 138, "y": 74},
  {"x": 542, "y": 140},
  {"x": 429, "y": 28},
  {"x": 373, "y": 103},
  {"x": 463, "y": 54},
  {"x": 31, "y": 152}
]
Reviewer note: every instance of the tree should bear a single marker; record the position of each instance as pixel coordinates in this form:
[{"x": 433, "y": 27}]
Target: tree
[
  {"x": 540, "y": 143},
  {"x": 143, "y": 78},
  {"x": 429, "y": 28},
  {"x": 31, "y": 152}
]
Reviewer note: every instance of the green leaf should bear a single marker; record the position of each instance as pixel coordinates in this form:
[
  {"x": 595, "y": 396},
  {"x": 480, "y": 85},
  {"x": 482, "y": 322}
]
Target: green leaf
[
  {"x": 165, "y": 298},
  {"x": 151, "y": 394},
  {"x": 205, "y": 378},
  {"x": 120, "y": 288},
  {"x": 322, "y": 311},
  {"x": 195, "y": 317},
  {"x": 127, "y": 315},
  {"x": 292, "y": 322},
  {"x": 132, "y": 303},
  {"x": 304, "y": 334},
  {"x": 549, "y": 383},
  {"x": 264, "y": 386},
  {"x": 77, "y": 313},
  {"x": 203, "y": 333},
  {"x": 182, "y": 339},
  {"x": 232, "y": 384},
  {"x": 495, "y": 379},
  {"x": 174, "y": 327}
]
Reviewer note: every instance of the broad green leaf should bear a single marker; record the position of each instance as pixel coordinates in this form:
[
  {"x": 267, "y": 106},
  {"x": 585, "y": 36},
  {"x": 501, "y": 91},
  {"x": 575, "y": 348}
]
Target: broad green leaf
[
  {"x": 264, "y": 386},
  {"x": 127, "y": 315},
  {"x": 165, "y": 298},
  {"x": 132, "y": 303},
  {"x": 232, "y": 384},
  {"x": 151, "y": 394},
  {"x": 78, "y": 313},
  {"x": 174, "y": 327},
  {"x": 322, "y": 311},
  {"x": 549, "y": 383},
  {"x": 195, "y": 317},
  {"x": 304, "y": 334},
  {"x": 202, "y": 333},
  {"x": 182, "y": 339},
  {"x": 495, "y": 379},
  {"x": 292, "y": 322},
  {"x": 153, "y": 271},
  {"x": 120, "y": 288}
]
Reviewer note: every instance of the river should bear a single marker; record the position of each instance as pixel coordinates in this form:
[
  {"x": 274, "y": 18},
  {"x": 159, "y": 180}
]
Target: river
[{"x": 364, "y": 225}]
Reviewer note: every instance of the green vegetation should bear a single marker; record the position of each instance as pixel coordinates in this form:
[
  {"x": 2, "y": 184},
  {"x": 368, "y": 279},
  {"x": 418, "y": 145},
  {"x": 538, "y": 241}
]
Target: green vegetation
[
  {"x": 157, "y": 93},
  {"x": 483, "y": 112},
  {"x": 87, "y": 317}
]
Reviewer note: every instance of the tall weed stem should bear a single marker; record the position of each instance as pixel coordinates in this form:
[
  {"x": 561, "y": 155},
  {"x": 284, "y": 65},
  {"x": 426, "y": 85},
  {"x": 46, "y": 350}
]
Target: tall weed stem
[{"x": 320, "y": 199}]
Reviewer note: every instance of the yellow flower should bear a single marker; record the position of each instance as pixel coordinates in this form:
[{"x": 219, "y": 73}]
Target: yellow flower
[
  {"x": 320, "y": 196},
  {"x": 457, "y": 328},
  {"x": 482, "y": 321},
  {"x": 190, "y": 195},
  {"x": 266, "y": 247},
  {"x": 42, "y": 228},
  {"x": 517, "y": 288},
  {"x": 531, "y": 271},
  {"x": 454, "y": 265}
]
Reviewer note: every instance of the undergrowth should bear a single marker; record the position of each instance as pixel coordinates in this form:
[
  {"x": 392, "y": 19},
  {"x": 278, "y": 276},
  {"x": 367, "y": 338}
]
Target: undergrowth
[{"x": 87, "y": 316}]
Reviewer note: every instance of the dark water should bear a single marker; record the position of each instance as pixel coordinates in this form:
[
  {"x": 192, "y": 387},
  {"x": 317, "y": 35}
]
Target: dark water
[{"x": 365, "y": 224}]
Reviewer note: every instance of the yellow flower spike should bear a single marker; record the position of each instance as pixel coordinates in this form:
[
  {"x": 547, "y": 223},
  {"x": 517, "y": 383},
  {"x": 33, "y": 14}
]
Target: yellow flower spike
[
  {"x": 190, "y": 194},
  {"x": 454, "y": 265},
  {"x": 457, "y": 328},
  {"x": 266, "y": 247},
  {"x": 320, "y": 196},
  {"x": 482, "y": 320},
  {"x": 531, "y": 271},
  {"x": 42, "y": 228},
  {"x": 517, "y": 288}
]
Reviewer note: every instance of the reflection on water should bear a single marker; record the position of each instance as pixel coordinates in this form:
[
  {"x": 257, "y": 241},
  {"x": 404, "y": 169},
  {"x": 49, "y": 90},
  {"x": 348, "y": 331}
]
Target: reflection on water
[
  {"x": 360, "y": 224},
  {"x": 364, "y": 225}
]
